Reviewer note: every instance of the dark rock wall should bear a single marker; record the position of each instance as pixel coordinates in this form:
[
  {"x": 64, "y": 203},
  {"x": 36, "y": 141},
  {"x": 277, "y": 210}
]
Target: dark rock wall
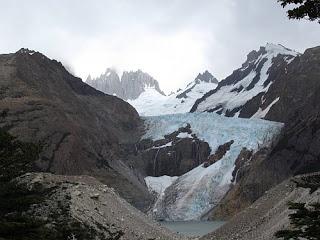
[
  {"x": 181, "y": 157},
  {"x": 172, "y": 156}
]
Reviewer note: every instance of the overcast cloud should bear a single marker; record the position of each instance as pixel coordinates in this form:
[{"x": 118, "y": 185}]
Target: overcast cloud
[{"x": 172, "y": 40}]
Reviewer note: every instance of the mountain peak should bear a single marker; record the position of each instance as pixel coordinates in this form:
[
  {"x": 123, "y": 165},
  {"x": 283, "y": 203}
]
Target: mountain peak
[
  {"x": 26, "y": 51},
  {"x": 89, "y": 78},
  {"x": 248, "y": 83},
  {"x": 130, "y": 86},
  {"x": 110, "y": 70},
  {"x": 280, "y": 49},
  {"x": 136, "y": 82},
  {"x": 206, "y": 77},
  {"x": 270, "y": 49}
]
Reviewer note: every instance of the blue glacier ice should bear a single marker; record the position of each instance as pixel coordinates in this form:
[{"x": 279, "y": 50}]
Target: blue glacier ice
[{"x": 197, "y": 191}]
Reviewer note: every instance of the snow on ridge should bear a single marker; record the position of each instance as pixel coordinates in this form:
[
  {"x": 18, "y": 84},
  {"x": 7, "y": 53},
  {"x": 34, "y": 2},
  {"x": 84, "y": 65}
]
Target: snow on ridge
[
  {"x": 230, "y": 99},
  {"x": 201, "y": 188},
  {"x": 184, "y": 135},
  {"x": 279, "y": 49},
  {"x": 151, "y": 103},
  {"x": 261, "y": 113}
]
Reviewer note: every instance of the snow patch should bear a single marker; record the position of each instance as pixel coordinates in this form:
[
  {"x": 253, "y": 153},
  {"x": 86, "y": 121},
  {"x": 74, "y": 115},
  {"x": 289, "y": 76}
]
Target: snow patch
[
  {"x": 169, "y": 144},
  {"x": 261, "y": 113},
  {"x": 184, "y": 135},
  {"x": 159, "y": 184},
  {"x": 152, "y": 103}
]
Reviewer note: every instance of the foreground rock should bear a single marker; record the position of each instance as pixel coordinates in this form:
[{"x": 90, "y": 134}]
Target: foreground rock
[
  {"x": 83, "y": 208},
  {"x": 267, "y": 215}
]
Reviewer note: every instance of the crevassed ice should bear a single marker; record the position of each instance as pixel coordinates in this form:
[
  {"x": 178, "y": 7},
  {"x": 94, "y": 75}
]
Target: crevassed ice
[{"x": 194, "y": 193}]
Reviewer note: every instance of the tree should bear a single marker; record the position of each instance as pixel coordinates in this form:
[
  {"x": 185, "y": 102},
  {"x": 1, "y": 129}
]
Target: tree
[
  {"x": 305, "y": 222},
  {"x": 303, "y": 9}
]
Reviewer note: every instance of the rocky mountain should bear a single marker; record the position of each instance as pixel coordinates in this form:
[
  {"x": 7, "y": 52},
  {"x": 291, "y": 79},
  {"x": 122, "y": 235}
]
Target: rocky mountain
[
  {"x": 297, "y": 151},
  {"x": 131, "y": 85},
  {"x": 294, "y": 83},
  {"x": 243, "y": 93},
  {"x": 202, "y": 78},
  {"x": 191, "y": 166},
  {"x": 151, "y": 103},
  {"x": 82, "y": 130},
  {"x": 109, "y": 83}
]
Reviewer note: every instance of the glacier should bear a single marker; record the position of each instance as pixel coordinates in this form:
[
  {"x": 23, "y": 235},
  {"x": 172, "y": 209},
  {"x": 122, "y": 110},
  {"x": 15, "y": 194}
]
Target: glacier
[{"x": 191, "y": 195}]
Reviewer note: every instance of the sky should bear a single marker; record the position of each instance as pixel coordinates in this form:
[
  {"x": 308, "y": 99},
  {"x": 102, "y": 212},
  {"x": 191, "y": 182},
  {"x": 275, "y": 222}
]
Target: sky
[{"x": 172, "y": 40}]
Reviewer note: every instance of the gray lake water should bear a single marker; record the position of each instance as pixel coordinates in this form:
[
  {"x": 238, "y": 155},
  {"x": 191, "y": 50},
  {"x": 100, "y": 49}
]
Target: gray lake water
[{"x": 193, "y": 228}]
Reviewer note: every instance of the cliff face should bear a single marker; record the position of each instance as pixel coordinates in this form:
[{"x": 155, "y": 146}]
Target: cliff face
[
  {"x": 80, "y": 128},
  {"x": 134, "y": 83},
  {"x": 109, "y": 83},
  {"x": 131, "y": 85},
  {"x": 298, "y": 89},
  {"x": 298, "y": 149},
  {"x": 173, "y": 155}
]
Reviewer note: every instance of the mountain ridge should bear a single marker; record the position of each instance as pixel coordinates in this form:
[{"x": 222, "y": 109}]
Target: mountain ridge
[
  {"x": 128, "y": 87},
  {"x": 251, "y": 81},
  {"x": 151, "y": 103},
  {"x": 296, "y": 87},
  {"x": 82, "y": 129}
]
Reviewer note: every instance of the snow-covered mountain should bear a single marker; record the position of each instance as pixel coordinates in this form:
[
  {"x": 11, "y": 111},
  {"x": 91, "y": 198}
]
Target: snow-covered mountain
[
  {"x": 190, "y": 196},
  {"x": 242, "y": 94},
  {"x": 131, "y": 85},
  {"x": 152, "y": 103}
]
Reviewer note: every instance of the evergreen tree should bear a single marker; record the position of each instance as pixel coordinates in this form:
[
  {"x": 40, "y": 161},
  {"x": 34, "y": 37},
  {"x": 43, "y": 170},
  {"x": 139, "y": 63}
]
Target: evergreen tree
[
  {"x": 305, "y": 222},
  {"x": 303, "y": 9}
]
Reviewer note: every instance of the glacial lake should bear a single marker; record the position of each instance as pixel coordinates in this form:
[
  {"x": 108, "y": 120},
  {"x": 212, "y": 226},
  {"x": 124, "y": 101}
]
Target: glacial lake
[{"x": 193, "y": 228}]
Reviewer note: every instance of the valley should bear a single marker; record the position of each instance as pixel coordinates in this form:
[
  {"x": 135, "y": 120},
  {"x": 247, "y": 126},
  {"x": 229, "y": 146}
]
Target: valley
[{"x": 221, "y": 156}]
